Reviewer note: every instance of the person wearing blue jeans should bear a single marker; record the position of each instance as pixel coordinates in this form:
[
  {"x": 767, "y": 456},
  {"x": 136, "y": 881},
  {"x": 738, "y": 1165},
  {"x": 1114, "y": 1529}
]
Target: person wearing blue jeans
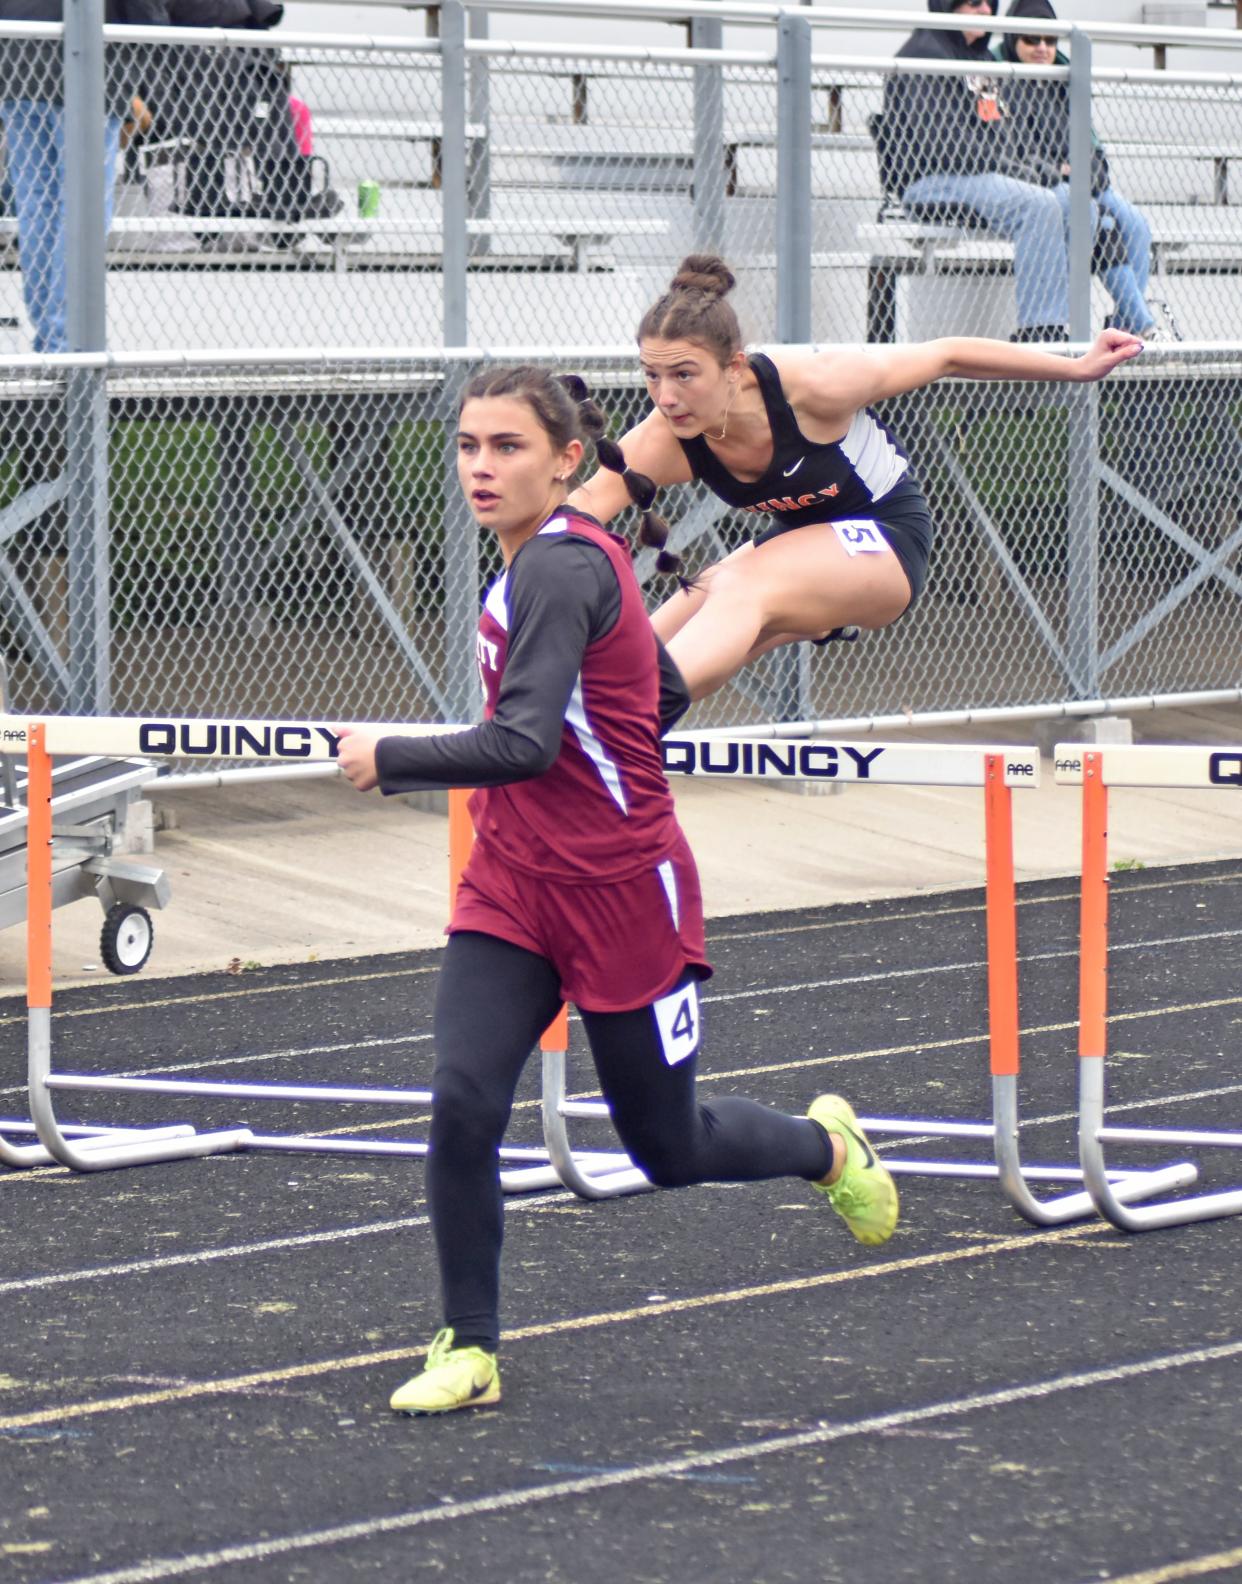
[
  {"x": 1039, "y": 119},
  {"x": 1032, "y": 218},
  {"x": 946, "y": 141},
  {"x": 32, "y": 112},
  {"x": 1126, "y": 278},
  {"x": 34, "y": 132}
]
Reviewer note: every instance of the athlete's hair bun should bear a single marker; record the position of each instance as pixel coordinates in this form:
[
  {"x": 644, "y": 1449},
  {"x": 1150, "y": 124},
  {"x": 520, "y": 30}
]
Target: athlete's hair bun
[{"x": 705, "y": 272}]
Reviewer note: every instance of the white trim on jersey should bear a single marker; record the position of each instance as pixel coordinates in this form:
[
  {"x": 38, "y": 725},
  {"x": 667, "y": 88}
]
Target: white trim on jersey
[
  {"x": 576, "y": 719},
  {"x": 668, "y": 878},
  {"x": 495, "y": 604},
  {"x": 871, "y": 453}
]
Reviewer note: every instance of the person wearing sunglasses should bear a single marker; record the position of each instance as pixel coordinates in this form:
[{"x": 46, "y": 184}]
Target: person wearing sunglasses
[
  {"x": 943, "y": 142},
  {"x": 1039, "y": 134}
]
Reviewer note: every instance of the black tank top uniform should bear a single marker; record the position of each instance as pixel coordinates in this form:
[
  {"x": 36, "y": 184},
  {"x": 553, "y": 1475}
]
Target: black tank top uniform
[{"x": 862, "y": 478}]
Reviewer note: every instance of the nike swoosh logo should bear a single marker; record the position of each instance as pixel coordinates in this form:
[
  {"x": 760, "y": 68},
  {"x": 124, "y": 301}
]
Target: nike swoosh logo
[
  {"x": 862, "y": 1144},
  {"x": 790, "y": 471}
]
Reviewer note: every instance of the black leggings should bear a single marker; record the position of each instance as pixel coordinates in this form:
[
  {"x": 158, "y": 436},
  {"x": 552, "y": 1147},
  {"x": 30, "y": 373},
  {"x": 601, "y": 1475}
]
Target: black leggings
[{"x": 493, "y": 1001}]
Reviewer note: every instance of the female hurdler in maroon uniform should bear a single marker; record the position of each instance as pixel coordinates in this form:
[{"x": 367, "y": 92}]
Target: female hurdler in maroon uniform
[
  {"x": 792, "y": 439},
  {"x": 580, "y": 887}
]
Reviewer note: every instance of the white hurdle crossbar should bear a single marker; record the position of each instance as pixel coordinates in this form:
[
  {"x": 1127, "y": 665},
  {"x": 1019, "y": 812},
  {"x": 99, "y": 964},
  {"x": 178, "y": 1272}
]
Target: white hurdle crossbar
[{"x": 1096, "y": 770}]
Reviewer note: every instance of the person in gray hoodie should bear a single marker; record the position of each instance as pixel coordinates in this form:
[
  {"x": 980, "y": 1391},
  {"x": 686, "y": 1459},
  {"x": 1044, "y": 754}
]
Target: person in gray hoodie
[
  {"x": 945, "y": 141},
  {"x": 1039, "y": 120}
]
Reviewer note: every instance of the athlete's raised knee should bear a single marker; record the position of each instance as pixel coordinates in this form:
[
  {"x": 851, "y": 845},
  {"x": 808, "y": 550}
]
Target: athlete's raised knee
[{"x": 463, "y": 1112}]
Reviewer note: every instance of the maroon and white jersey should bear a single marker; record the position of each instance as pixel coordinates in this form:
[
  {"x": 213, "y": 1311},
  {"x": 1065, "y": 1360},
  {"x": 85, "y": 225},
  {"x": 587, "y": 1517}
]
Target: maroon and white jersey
[
  {"x": 567, "y": 759},
  {"x": 603, "y": 810}
]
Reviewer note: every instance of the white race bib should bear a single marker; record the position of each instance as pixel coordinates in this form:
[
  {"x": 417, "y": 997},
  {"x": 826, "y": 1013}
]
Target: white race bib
[
  {"x": 677, "y": 1015},
  {"x": 861, "y": 537}
]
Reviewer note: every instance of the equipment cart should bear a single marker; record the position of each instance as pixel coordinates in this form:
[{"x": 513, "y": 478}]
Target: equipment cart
[{"x": 91, "y": 801}]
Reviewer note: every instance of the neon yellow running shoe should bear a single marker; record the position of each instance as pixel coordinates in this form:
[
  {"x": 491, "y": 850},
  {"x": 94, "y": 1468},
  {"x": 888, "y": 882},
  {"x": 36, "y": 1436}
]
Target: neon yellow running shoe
[
  {"x": 864, "y": 1195},
  {"x": 465, "y": 1377}
]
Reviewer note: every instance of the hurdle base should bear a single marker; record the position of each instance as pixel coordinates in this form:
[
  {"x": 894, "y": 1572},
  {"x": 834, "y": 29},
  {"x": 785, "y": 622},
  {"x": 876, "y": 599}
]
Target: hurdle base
[
  {"x": 28, "y": 1155},
  {"x": 1109, "y": 1203},
  {"x": 1124, "y": 1188},
  {"x": 585, "y": 1176}
]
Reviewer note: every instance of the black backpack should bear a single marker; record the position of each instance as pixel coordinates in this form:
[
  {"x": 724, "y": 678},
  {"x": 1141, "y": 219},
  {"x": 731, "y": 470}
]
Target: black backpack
[{"x": 229, "y": 112}]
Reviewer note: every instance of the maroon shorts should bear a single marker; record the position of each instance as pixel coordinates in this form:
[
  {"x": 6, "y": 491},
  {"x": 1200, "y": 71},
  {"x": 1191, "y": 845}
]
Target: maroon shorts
[{"x": 616, "y": 946}]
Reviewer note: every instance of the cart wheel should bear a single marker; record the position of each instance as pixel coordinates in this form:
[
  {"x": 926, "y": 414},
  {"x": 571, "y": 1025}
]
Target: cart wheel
[{"x": 126, "y": 938}]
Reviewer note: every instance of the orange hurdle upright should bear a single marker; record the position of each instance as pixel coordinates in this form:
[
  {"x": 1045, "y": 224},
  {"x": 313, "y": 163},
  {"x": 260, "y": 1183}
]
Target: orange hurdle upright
[{"x": 1146, "y": 765}]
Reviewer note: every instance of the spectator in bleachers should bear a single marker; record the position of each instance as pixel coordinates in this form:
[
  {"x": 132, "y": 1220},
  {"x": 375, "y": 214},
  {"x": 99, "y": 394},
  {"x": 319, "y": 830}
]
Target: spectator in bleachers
[
  {"x": 945, "y": 141},
  {"x": 1039, "y": 128},
  {"x": 32, "y": 109}
]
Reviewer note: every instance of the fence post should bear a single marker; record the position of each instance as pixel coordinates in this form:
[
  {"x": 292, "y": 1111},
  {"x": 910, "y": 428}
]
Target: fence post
[
  {"x": 461, "y": 570},
  {"x": 461, "y": 558},
  {"x": 793, "y": 180},
  {"x": 1081, "y": 228},
  {"x": 478, "y": 149},
  {"x": 1083, "y": 407},
  {"x": 709, "y": 174},
  {"x": 86, "y": 389},
  {"x": 454, "y": 206}
]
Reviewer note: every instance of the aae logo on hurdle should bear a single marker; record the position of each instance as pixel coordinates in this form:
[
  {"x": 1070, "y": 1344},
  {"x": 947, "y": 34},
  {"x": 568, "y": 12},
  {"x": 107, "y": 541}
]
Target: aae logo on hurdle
[
  {"x": 815, "y": 759},
  {"x": 1150, "y": 765}
]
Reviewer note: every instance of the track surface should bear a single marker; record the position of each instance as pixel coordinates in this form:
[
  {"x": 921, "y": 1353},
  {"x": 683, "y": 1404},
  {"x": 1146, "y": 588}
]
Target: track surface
[{"x": 715, "y": 1384}]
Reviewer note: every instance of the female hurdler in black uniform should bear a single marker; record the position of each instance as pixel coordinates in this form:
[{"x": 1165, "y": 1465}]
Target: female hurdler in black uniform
[
  {"x": 580, "y": 886},
  {"x": 792, "y": 438}
]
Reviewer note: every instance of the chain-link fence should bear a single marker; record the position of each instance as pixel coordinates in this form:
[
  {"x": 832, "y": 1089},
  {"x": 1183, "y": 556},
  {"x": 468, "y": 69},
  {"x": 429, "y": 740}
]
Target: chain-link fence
[
  {"x": 290, "y": 539},
  {"x": 196, "y": 524}
]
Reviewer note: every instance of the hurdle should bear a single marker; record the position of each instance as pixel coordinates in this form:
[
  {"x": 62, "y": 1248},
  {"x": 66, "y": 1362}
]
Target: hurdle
[
  {"x": 997, "y": 770},
  {"x": 592, "y": 1174},
  {"x": 1097, "y": 770},
  {"x": 92, "y": 1148}
]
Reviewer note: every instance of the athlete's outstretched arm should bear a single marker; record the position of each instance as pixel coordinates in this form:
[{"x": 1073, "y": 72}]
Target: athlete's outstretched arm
[{"x": 857, "y": 378}]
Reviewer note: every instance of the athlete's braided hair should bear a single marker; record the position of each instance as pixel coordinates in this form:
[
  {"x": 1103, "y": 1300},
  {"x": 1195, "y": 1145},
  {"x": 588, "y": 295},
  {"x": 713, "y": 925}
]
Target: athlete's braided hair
[{"x": 567, "y": 411}]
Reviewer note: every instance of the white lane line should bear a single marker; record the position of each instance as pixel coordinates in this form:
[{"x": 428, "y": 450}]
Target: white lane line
[
  {"x": 204, "y": 996},
  {"x": 156, "y": 1568},
  {"x": 886, "y": 974},
  {"x": 753, "y": 993},
  {"x": 207, "y": 1256},
  {"x": 1202, "y": 881},
  {"x": 204, "y": 1065},
  {"x": 240, "y": 1250}
]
